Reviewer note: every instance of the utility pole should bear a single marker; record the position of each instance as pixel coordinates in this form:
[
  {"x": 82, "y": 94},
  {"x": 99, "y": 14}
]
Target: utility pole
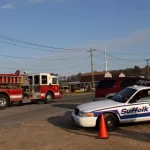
[
  {"x": 148, "y": 67},
  {"x": 92, "y": 68},
  {"x": 106, "y": 63}
]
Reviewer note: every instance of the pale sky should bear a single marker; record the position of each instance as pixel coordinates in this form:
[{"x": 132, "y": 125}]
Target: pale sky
[{"x": 123, "y": 27}]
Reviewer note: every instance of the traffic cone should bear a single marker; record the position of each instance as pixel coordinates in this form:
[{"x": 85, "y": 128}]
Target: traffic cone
[{"x": 102, "y": 128}]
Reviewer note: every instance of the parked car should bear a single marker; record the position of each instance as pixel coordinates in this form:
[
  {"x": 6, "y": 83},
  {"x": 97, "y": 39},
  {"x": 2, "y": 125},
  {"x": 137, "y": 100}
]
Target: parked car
[
  {"x": 131, "y": 104},
  {"x": 108, "y": 87}
]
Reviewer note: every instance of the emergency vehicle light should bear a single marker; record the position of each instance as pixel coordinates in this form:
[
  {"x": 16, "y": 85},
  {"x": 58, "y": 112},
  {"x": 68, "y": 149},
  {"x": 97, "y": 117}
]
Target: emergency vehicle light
[{"x": 52, "y": 74}]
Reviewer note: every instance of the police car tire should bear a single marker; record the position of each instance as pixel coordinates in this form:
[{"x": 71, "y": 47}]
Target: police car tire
[
  {"x": 6, "y": 99},
  {"x": 47, "y": 101},
  {"x": 113, "y": 119},
  {"x": 108, "y": 117}
]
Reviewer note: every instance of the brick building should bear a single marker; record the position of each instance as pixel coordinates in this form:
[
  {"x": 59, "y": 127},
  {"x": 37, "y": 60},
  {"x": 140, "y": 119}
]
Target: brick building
[{"x": 87, "y": 77}]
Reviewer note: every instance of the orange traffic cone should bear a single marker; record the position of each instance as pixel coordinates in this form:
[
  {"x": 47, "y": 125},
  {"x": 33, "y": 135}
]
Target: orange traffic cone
[{"x": 102, "y": 128}]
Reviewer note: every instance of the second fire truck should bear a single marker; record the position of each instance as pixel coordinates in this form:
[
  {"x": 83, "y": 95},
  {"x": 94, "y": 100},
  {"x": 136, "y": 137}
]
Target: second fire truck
[{"x": 19, "y": 88}]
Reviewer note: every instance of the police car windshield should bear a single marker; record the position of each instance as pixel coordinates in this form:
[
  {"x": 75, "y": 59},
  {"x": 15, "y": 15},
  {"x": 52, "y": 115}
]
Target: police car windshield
[{"x": 124, "y": 95}]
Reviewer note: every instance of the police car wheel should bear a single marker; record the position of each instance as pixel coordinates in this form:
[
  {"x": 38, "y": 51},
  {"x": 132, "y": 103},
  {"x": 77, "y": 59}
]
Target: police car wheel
[
  {"x": 48, "y": 98},
  {"x": 111, "y": 122}
]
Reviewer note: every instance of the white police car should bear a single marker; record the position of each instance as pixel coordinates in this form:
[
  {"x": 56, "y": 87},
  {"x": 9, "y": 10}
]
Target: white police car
[{"x": 132, "y": 104}]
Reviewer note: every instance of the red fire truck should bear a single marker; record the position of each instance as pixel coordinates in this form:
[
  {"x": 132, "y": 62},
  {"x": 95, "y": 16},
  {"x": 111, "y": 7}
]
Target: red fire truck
[{"x": 20, "y": 88}]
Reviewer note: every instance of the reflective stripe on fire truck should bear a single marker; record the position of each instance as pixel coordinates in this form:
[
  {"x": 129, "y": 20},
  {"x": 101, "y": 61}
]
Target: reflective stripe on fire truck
[
  {"x": 42, "y": 94},
  {"x": 15, "y": 96},
  {"x": 57, "y": 94}
]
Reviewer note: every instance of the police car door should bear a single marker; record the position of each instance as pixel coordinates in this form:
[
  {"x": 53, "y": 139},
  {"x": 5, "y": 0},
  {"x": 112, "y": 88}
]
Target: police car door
[
  {"x": 125, "y": 111},
  {"x": 140, "y": 106}
]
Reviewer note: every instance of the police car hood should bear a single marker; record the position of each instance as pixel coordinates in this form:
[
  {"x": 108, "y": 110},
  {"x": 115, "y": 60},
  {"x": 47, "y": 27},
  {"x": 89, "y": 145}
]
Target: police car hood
[{"x": 97, "y": 105}]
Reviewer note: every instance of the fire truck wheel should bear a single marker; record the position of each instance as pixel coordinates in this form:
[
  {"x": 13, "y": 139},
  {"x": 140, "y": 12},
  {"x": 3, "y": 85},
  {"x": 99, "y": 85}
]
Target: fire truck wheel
[
  {"x": 3, "y": 101},
  {"x": 48, "y": 98}
]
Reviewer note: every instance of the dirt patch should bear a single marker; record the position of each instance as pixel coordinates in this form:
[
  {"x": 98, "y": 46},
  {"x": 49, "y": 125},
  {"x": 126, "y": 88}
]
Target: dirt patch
[{"x": 59, "y": 133}]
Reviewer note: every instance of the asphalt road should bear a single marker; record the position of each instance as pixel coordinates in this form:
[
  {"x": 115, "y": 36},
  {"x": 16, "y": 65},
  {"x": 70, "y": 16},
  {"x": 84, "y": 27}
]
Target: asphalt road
[
  {"x": 28, "y": 112},
  {"x": 51, "y": 127}
]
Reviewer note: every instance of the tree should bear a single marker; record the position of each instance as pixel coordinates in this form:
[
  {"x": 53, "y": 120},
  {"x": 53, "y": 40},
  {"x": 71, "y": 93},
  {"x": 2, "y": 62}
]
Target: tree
[
  {"x": 64, "y": 78},
  {"x": 60, "y": 78},
  {"x": 78, "y": 77},
  {"x": 68, "y": 79}
]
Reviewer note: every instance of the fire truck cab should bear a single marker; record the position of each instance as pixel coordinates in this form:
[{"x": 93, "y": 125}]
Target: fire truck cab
[
  {"x": 22, "y": 88},
  {"x": 43, "y": 86}
]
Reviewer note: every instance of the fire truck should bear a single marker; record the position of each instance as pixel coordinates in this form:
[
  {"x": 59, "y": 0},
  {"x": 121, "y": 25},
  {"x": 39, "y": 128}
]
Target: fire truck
[{"x": 19, "y": 88}]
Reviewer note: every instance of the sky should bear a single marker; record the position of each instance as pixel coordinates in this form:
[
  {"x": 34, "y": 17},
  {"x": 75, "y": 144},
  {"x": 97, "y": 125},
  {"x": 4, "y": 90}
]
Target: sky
[{"x": 120, "y": 26}]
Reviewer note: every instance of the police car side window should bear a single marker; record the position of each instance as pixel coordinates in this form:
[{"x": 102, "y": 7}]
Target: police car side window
[
  {"x": 141, "y": 96},
  {"x": 146, "y": 97}
]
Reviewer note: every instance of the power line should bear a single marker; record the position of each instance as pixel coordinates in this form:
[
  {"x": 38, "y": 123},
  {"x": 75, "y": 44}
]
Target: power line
[
  {"x": 98, "y": 57},
  {"x": 34, "y": 48},
  {"x": 129, "y": 53},
  {"x": 117, "y": 64},
  {"x": 23, "y": 69},
  {"x": 112, "y": 65},
  {"x": 37, "y": 45},
  {"x": 112, "y": 61},
  {"x": 18, "y": 57},
  {"x": 131, "y": 60},
  {"x": 25, "y": 46},
  {"x": 121, "y": 59},
  {"x": 121, "y": 63}
]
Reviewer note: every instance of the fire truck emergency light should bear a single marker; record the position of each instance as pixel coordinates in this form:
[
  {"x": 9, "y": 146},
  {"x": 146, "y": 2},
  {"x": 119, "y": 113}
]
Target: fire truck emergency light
[{"x": 52, "y": 74}]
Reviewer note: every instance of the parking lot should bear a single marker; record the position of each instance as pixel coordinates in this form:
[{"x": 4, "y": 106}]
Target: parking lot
[{"x": 50, "y": 127}]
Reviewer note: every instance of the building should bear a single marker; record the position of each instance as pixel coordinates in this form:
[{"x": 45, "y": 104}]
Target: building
[
  {"x": 87, "y": 77},
  {"x": 86, "y": 80}
]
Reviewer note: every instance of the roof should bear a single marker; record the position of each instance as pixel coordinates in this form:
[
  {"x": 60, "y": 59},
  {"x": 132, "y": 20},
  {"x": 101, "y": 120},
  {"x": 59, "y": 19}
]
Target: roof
[
  {"x": 137, "y": 87},
  {"x": 41, "y": 74},
  {"x": 73, "y": 83},
  {"x": 114, "y": 74},
  {"x": 87, "y": 77},
  {"x": 95, "y": 73},
  {"x": 127, "y": 77}
]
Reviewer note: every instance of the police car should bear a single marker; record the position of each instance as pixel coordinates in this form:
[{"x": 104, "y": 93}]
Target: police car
[{"x": 131, "y": 104}]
